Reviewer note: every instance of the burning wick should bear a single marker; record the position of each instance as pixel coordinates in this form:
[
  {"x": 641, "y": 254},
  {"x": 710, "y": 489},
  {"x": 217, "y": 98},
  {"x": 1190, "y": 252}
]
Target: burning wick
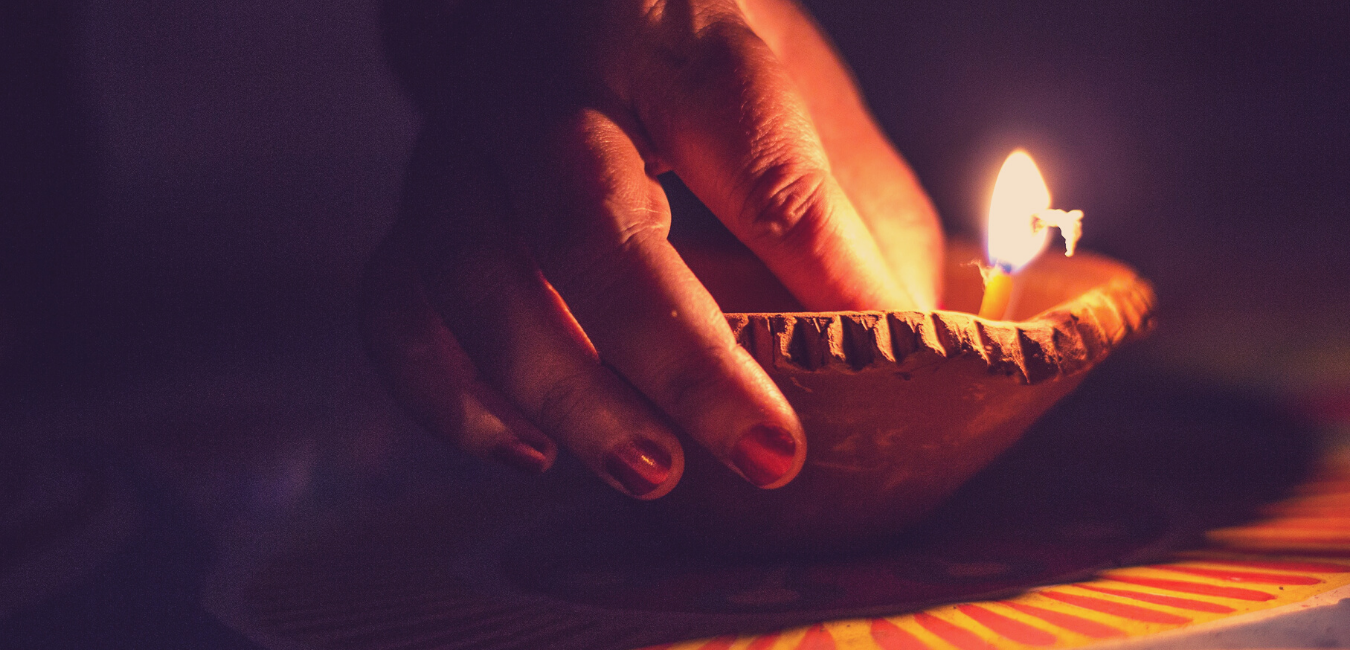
[
  {"x": 997, "y": 291},
  {"x": 1019, "y": 220}
]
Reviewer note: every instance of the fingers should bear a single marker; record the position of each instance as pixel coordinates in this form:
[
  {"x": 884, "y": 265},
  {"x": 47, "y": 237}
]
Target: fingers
[
  {"x": 431, "y": 377},
  {"x": 734, "y": 127},
  {"x": 715, "y": 104},
  {"x": 604, "y": 248},
  {"x": 521, "y": 336},
  {"x": 880, "y": 184}
]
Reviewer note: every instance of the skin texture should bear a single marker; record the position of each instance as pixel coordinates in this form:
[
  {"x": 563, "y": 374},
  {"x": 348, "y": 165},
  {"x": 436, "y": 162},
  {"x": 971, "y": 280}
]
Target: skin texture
[{"x": 527, "y": 299}]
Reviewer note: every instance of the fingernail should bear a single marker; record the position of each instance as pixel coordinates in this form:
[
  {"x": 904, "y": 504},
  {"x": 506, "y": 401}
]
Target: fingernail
[
  {"x": 639, "y": 465},
  {"x": 764, "y": 454},
  {"x": 521, "y": 456}
]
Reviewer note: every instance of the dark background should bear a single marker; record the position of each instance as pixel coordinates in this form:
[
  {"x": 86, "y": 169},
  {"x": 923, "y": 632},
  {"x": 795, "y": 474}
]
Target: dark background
[
  {"x": 196, "y": 185},
  {"x": 185, "y": 165}
]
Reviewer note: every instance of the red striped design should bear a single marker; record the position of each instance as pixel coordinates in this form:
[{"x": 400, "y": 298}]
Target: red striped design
[
  {"x": 890, "y": 637},
  {"x": 1069, "y": 622},
  {"x": 959, "y": 637},
  {"x": 763, "y": 641},
  {"x": 1170, "y": 601},
  {"x": 1195, "y": 588},
  {"x": 1009, "y": 628},
  {"x": 817, "y": 638},
  {"x": 1114, "y": 608},
  {"x": 1243, "y": 576}
]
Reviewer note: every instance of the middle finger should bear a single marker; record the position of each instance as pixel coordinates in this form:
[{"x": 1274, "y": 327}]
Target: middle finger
[{"x": 602, "y": 244}]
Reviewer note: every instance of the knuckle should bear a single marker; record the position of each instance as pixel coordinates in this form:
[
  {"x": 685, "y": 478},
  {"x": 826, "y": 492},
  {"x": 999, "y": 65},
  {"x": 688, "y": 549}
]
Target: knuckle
[
  {"x": 591, "y": 181},
  {"x": 634, "y": 237},
  {"x": 562, "y": 401},
  {"x": 708, "y": 59},
  {"x": 596, "y": 262},
  {"x": 695, "y": 379},
  {"x": 476, "y": 429},
  {"x": 721, "y": 30},
  {"x": 784, "y": 200},
  {"x": 570, "y": 132}
]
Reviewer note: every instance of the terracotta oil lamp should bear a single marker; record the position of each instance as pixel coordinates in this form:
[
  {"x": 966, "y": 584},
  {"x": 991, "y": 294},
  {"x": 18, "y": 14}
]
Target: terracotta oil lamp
[{"x": 900, "y": 408}]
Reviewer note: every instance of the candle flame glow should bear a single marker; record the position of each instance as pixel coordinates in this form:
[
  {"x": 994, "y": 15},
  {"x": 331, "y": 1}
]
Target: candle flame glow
[{"x": 1014, "y": 238}]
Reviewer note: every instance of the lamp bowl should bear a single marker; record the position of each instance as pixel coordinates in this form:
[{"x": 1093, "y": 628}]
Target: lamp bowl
[{"x": 900, "y": 408}]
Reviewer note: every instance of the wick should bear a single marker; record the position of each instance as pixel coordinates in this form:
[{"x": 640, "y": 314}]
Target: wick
[{"x": 990, "y": 270}]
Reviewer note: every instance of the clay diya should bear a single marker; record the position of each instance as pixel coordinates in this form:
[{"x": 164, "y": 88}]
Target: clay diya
[{"x": 900, "y": 408}]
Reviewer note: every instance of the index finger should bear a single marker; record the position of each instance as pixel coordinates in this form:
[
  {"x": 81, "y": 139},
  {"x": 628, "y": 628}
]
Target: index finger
[
  {"x": 737, "y": 132},
  {"x": 883, "y": 188}
]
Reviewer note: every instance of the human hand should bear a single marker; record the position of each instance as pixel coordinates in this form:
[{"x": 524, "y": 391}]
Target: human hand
[{"x": 527, "y": 298}]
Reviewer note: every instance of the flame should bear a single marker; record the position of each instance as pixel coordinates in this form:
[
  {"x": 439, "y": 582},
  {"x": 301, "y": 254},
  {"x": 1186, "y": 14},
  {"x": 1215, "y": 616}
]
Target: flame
[{"x": 1015, "y": 234}]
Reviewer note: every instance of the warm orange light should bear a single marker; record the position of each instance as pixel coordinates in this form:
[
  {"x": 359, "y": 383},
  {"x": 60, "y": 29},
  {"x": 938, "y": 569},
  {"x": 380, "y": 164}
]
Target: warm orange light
[
  {"x": 1019, "y": 228},
  {"x": 1019, "y": 195}
]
